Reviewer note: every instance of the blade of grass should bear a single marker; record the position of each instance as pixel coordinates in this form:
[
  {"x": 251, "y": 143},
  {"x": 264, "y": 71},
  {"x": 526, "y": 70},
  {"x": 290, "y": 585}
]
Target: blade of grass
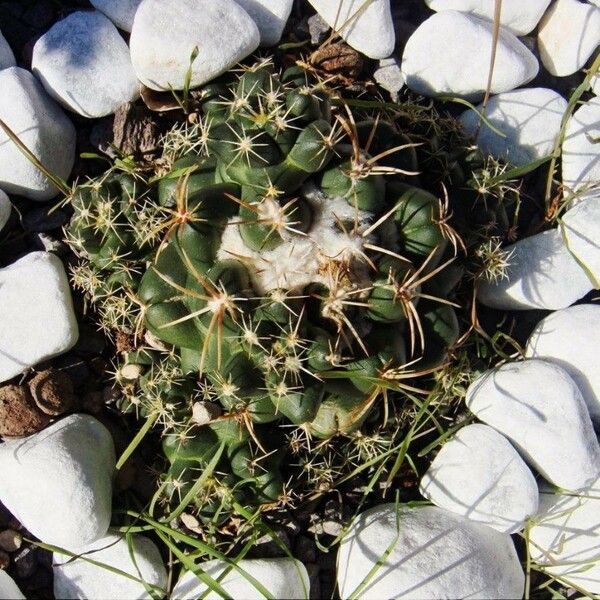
[{"x": 135, "y": 442}]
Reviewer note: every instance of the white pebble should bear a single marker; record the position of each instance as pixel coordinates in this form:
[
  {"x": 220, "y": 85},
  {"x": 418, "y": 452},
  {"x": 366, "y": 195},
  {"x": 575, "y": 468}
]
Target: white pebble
[
  {"x": 433, "y": 554},
  {"x": 565, "y": 537},
  {"x": 37, "y": 321},
  {"x": 568, "y": 34},
  {"x": 223, "y": 33},
  {"x": 537, "y": 405},
  {"x": 581, "y": 152},
  {"x": 270, "y": 17},
  {"x": 529, "y": 118},
  {"x": 79, "y": 578},
  {"x": 58, "y": 482},
  {"x": 120, "y": 12},
  {"x": 517, "y": 16},
  {"x": 42, "y": 126},
  {"x": 571, "y": 338},
  {"x": 368, "y": 28},
  {"x": 542, "y": 273},
  {"x": 5, "y": 209},
  {"x": 282, "y": 577},
  {"x": 389, "y": 76},
  {"x": 83, "y": 62},
  {"x": 7, "y": 58},
  {"x": 8, "y": 588},
  {"x": 449, "y": 53},
  {"x": 478, "y": 474}
]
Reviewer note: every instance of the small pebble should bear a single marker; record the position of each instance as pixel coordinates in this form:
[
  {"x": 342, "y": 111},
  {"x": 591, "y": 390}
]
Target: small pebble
[{"x": 10, "y": 540}]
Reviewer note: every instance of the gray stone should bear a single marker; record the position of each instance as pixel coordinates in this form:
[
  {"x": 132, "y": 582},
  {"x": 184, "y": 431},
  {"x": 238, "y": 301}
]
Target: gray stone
[
  {"x": 389, "y": 76},
  {"x": 5, "y": 209},
  {"x": 7, "y": 58}
]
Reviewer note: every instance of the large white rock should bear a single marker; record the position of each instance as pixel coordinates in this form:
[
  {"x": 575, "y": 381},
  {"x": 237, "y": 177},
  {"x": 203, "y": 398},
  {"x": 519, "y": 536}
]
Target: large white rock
[
  {"x": 81, "y": 579},
  {"x": 517, "y": 16},
  {"x": 83, "y": 62},
  {"x": 58, "y": 482},
  {"x": 9, "y": 590},
  {"x": 449, "y": 53},
  {"x": 367, "y": 27},
  {"x": 478, "y": 474},
  {"x": 222, "y": 31},
  {"x": 537, "y": 405},
  {"x": 37, "y": 321},
  {"x": 542, "y": 273},
  {"x": 42, "y": 126},
  {"x": 566, "y": 537},
  {"x": 120, "y": 12},
  {"x": 571, "y": 339},
  {"x": 5, "y": 209},
  {"x": 270, "y": 16},
  {"x": 580, "y": 226},
  {"x": 569, "y": 32},
  {"x": 7, "y": 58},
  {"x": 581, "y": 152},
  {"x": 282, "y": 578},
  {"x": 529, "y": 118},
  {"x": 434, "y": 554}
]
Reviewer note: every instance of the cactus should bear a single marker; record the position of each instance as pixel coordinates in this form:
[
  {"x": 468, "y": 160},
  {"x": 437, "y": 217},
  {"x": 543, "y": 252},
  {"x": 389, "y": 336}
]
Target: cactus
[{"x": 280, "y": 272}]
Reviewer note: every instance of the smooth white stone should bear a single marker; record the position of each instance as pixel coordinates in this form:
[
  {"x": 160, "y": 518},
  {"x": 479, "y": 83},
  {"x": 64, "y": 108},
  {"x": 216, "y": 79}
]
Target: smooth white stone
[
  {"x": 449, "y": 53},
  {"x": 5, "y": 209},
  {"x": 537, "y": 405},
  {"x": 83, "y": 63},
  {"x": 571, "y": 338},
  {"x": 58, "y": 482},
  {"x": 542, "y": 274},
  {"x": 479, "y": 475},
  {"x": 8, "y": 588},
  {"x": 7, "y": 58},
  {"x": 37, "y": 321},
  {"x": 120, "y": 12},
  {"x": 566, "y": 537},
  {"x": 222, "y": 31},
  {"x": 517, "y": 16},
  {"x": 580, "y": 153},
  {"x": 81, "y": 579},
  {"x": 389, "y": 76},
  {"x": 282, "y": 577},
  {"x": 270, "y": 17},
  {"x": 42, "y": 126},
  {"x": 434, "y": 554},
  {"x": 568, "y": 34},
  {"x": 580, "y": 226},
  {"x": 368, "y": 28},
  {"x": 530, "y": 119}
]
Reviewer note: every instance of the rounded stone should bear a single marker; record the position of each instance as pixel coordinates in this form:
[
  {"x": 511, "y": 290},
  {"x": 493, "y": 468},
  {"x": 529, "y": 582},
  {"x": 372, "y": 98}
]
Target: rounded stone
[
  {"x": 538, "y": 407},
  {"x": 42, "y": 126},
  {"x": 478, "y": 474},
  {"x": 222, "y": 32},
  {"x": 426, "y": 552},
  {"x": 84, "y": 63},
  {"x": 449, "y": 53}
]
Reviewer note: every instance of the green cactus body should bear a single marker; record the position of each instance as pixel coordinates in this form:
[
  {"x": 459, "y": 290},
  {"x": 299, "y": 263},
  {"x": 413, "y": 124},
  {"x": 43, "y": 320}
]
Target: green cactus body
[{"x": 270, "y": 259}]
